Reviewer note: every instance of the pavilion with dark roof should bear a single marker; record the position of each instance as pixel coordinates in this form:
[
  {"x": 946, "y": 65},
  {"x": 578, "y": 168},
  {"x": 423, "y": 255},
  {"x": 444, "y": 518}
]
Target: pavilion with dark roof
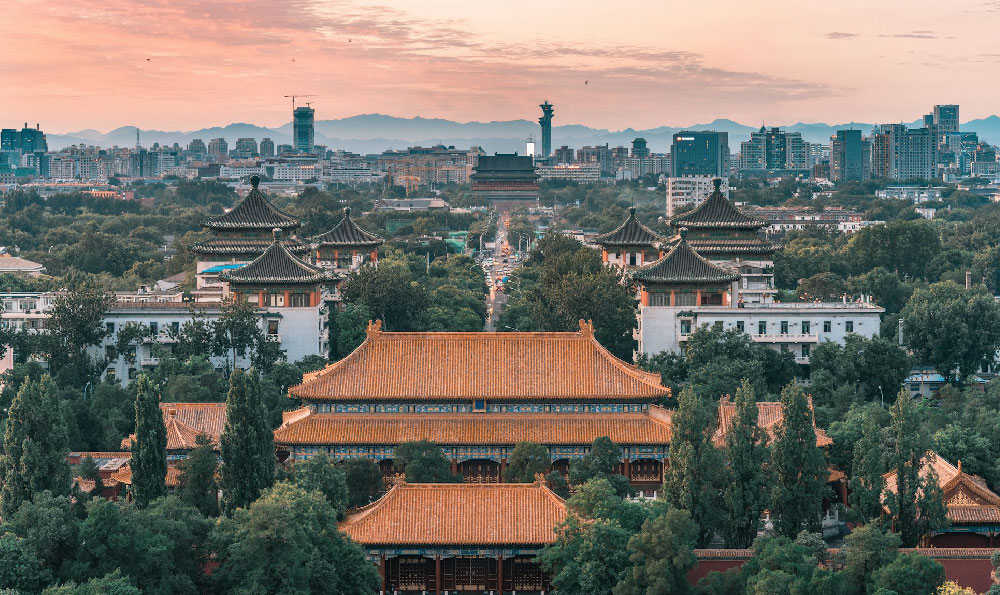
[
  {"x": 684, "y": 278},
  {"x": 345, "y": 247},
  {"x": 631, "y": 244},
  {"x": 278, "y": 278}
]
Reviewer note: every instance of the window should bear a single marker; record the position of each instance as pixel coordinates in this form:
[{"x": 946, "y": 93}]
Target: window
[
  {"x": 805, "y": 351},
  {"x": 272, "y": 327},
  {"x": 275, "y": 299},
  {"x": 849, "y": 326},
  {"x": 784, "y": 348},
  {"x": 110, "y": 326},
  {"x": 762, "y": 327},
  {"x": 915, "y": 387},
  {"x": 659, "y": 299},
  {"x": 784, "y": 327},
  {"x": 805, "y": 327},
  {"x": 479, "y": 405},
  {"x": 298, "y": 300},
  {"x": 827, "y": 326},
  {"x": 685, "y": 327},
  {"x": 739, "y": 325},
  {"x": 633, "y": 259},
  {"x": 154, "y": 327},
  {"x": 684, "y": 299},
  {"x": 175, "y": 327}
]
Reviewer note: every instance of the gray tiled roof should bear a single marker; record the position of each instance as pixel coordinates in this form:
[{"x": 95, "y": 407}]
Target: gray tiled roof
[
  {"x": 277, "y": 265},
  {"x": 682, "y": 265},
  {"x": 717, "y": 212},
  {"x": 254, "y": 212},
  {"x": 711, "y": 246},
  {"x": 229, "y": 247},
  {"x": 347, "y": 233},
  {"x": 629, "y": 233}
]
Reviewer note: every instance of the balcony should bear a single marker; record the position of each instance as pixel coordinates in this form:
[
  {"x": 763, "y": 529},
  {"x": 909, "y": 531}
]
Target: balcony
[
  {"x": 149, "y": 361},
  {"x": 804, "y": 360},
  {"x": 785, "y": 338}
]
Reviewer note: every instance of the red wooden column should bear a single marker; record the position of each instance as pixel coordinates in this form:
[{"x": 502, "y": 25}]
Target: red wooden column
[
  {"x": 503, "y": 467},
  {"x": 626, "y": 469},
  {"x": 384, "y": 572},
  {"x": 437, "y": 574},
  {"x": 500, "y": 574}
]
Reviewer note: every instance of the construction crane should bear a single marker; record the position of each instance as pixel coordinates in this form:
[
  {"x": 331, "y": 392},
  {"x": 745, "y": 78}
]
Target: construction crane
[{"x": 293, "y": 99}]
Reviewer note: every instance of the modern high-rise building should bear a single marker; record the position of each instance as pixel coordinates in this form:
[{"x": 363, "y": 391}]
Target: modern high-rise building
[
  {"x": 246, "y": 148},
  {"x": 899, "y": 153},
  {"x": 946, "y": 118},
  {"x": 266, "y": 148},
  {"x": 639, "y": 148},
  {"x": 563, "y": 154},
  {"x": 218, "y": 146},
  {"x": 27, "y": 146},
  {"x": 197, "y": 147},
  {"x": 699, "y": 153},
  {"x": 303, "y": 129},
  {"x": 850, "y": 156},
  {"x": 546, "y": 123},
  {"x": 774, "y": 150}
]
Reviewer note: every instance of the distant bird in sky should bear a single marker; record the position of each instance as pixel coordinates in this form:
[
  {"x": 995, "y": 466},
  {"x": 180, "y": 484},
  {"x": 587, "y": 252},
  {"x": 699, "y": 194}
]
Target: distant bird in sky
[
  {"x": 349, "y": 40},
  {"x": 586, "y": 82},
  {"x": 147, "y": 59}
]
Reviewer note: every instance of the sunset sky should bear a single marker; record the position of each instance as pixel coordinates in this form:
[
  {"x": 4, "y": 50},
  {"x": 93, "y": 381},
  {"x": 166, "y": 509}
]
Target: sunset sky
[{"x": 188, "y": 64}]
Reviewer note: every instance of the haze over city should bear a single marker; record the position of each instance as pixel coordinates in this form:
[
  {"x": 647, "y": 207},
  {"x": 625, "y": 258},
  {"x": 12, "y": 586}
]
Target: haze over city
[{"x": 185, "y": 65}]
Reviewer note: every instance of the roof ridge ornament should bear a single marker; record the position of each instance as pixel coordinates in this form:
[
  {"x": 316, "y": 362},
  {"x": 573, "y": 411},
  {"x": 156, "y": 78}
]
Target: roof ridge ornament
[
  {"x": 717, "y": 183},
  {"x": 276, "y": 232},
  {"x": 374, "y": 328},
  {"x": 255, "y": 181},
  {"x": 587, "y": 328}
]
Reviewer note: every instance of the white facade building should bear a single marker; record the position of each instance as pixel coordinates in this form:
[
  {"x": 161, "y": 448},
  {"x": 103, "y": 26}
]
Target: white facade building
[
  {"x": 911, "y": 193},
  {"x": 686, "y": 192},
  {"x": 581, "y": 173}
]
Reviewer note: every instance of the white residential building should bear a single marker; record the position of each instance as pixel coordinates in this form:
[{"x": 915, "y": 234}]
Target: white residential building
[{"x": 687, "y": 192}]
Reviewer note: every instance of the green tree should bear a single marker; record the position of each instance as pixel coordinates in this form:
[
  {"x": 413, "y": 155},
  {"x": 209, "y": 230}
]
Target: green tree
[
  {"x": 601, "y": 461},
  {"x": 424, "y": 462},
  {"x": 109, "y": 584},
  {"x": 745, "y": 452},
  {"x": 198, "y": 486},
  {"x": 20, "y": 569},
  {"x": 237, "y": 333},
  {"x": 662, "y": 553},
  {"x": 798, "y": 467},
  {"x": 867, "y": 483},
  {"x": 782, "y": 566},
  {"x": 954, "y": 329},
  {"x": 389, "y": 292},
  {"x": 915, "y": 504},
  {"x": 718, "y": 360},
  {"x": 365, "y": 481},
  {"x": 869, "y": 548},
  {"x": 867, "y": 369},
  {"x": 195, "y": 337},
  {"x": 904, "y": 246},
  {"x": 75, "y": 323},
  {"x": 911, "y": 574},
  {"x": 824, "y": 287},
  {"x": 693, "y": 481},
  {"x": 49, "y": 526},
  {"x": 527, "y": 460},
  {"x": 350, "y": 325},
  {"x": 34, "y": 447},
  {"x": 247, "y": 443},
  {"x": 884, "y": 286},
  {"x": 320, "y": 474},
  {"x": 288, "y": 542},
  {"x": 149, "y": 448}
]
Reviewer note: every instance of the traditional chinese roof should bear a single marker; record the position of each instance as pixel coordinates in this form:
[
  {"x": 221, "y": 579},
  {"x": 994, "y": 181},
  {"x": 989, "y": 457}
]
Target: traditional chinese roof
[
  {"x": 715, "y": 213},
  {"x": 347, "y": 234},
  {"x": 277, "y": 265},
  {"x": 459, "y": 514},
  {"x": 769, "y": 416},
  {"x": 629, "y": 233},
  {"x": 709, "y": 247},
  {"x": 682, "y": 265},
  {"x": 254, "y": 212},
  {"x": 186, "y": 421},
  {"x": 303, "y": 427},
  {"x": 246, "y": 247},
  {"x": 172, "y": 479},
  {"x": 466, "y": 366},
  {"x": 967, "y": 498}
]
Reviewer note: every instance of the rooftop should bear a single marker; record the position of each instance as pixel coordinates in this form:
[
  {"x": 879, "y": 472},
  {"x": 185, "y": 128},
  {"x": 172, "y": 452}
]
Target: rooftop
[
  {"x": 682, "y": 265},
  {"x": 277, "y": 265},
  {"x": 254, "y": 212},
  {"x": 769, "y": 417},
  {"x": 246, "y": 246},
  {"x": 347, "y": 234},
  {"x": 478, "y": 365},
  {"x": 459, "y": 514},
  {"x": 717, "y": 213},
  {"x": 16, "y": 264},
  {"x": 629, "y": 233},
  {"x": 967, "y": 498}
]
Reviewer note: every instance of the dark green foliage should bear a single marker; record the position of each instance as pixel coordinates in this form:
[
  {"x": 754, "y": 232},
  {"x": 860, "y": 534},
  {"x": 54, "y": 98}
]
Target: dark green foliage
[
  {"x": 718, "y": 360},
  {"x": 198, "y": 487},
  {"x": 862, "y": 369},
  {"x": 318, "y": 473},
  {"x": 149, "y": 448},
  {"x": 49, "y": 527},
  {"x": 349, "y": 329},
  {"x": 75, "y": 323},
  {"x": 237, "y": 334},
  {"x": 365, "y": 482},
  {"x": 867, "y": 469},
  {"x": 34, "y": 447},
  {"x": 662, "y": 553},
  {"x": 424, "y": 462},
  {"x": 247, "y": 443},
  {"x": 884, "y": 286},
  {"x": 824, "y": 287},
  {"x": 527, "y": 460},
  {"x": 672, "y": 368},
  {"x": 602, "y": 461},
  {"x": 389, "y": 292},
  {"x": 868, "y": 548},
  {"x": 20, "y": 570},
  {"x": 904, "y": 246},
  {"x": 783, "y": 566},
  {"x": 109, "y": 584},
  {"x": 798, "y": 468},
  {"x": 563, "y": 282},
  {"x": 746, "y": 455},
  {"x": 288, "y": 542},
  {"x": 952, "y": 328},
  {"x": 912, "y": 574},
  {"x": 693, "y": 481}
]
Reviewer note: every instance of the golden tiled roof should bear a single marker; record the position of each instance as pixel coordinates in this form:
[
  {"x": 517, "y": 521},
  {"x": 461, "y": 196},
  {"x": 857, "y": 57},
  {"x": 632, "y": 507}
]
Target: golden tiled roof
[
  {"x": 467, "y": 366},
  {"x": 459, "y": 514},
  {"x": 185, "y": 421},
  {"x": 474, "y": 428},
  {"x": 769, "y": 415},
  {"x": 967, "y": 498},
  {"x": 124, "y": 475}
]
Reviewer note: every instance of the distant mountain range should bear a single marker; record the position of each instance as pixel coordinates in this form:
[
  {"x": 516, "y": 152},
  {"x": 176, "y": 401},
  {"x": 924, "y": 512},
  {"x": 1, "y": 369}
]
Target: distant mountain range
[{"x": 374, "y": 133}]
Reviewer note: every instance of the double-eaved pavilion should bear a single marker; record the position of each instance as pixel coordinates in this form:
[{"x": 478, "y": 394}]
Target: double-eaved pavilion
[
  {"x": 459, "y": 538},
  {"x": 477, "y": 395},
  {"x": 345, "y": 247},
  {"x": 631, "y": 244}
]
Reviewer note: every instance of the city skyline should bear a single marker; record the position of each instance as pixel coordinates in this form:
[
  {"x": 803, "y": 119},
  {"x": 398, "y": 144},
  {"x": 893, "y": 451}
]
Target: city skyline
[{"x": 182, "y": 66}]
